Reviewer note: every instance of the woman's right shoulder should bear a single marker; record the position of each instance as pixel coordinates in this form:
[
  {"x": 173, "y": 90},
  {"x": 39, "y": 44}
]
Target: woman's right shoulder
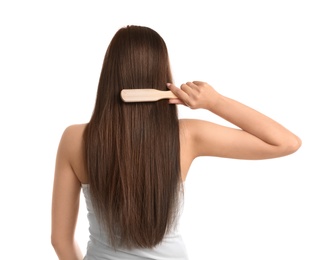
[
  {"x": 190, "y": 126},
  {"x": 205, "y": 138},
  {"x": 190, "y": 131},
  {"x": 191, "y": 141}
]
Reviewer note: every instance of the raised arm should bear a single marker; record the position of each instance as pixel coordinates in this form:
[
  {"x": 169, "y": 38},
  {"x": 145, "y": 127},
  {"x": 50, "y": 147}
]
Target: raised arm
[{"x": 257, "y": 135}]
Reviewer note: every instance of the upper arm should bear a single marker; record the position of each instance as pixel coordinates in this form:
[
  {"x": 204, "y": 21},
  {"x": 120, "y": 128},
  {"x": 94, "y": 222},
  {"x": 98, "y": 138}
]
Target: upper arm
[
  {"x": 66, "y": 192},
  {"x": 210, "y": 139}
]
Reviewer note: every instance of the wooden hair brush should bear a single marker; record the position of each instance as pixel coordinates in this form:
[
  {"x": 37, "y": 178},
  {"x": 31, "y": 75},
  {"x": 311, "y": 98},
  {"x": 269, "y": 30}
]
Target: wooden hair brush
[{"x": 145, "y": 95}]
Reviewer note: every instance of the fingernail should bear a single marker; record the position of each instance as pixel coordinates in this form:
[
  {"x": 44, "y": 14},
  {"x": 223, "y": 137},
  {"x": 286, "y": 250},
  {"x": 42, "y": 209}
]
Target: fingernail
[{"x": 168, "y": 84}]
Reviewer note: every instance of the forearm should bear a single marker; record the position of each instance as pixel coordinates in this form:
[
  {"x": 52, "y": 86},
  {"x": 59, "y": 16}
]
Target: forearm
[{"x": 252, "y": 121}]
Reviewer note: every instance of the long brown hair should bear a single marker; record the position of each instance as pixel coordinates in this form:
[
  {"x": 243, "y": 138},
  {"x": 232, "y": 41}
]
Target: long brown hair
[{"x": 132, "y": 150}]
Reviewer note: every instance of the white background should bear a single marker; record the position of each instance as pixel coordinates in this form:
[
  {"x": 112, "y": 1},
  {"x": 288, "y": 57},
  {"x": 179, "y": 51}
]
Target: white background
[{"x": 271, "y": 55}]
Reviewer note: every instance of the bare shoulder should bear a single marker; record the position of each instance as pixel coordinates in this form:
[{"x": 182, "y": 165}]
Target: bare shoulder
[
  {"x": 205, "y": 138},
  {"x": 188, "y": 128},
  {"x": 189, "y": 131},
  {"x": 72, "y": 147},
  {"x": 74, "y": 131},
  {"x": 191, "y": 127},
  {"x": 72, "y": 140},
  {"x": 72, "y": 137}
]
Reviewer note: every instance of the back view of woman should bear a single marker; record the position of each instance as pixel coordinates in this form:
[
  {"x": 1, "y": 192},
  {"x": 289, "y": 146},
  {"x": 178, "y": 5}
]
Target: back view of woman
[{"x": 131, "y": 159}]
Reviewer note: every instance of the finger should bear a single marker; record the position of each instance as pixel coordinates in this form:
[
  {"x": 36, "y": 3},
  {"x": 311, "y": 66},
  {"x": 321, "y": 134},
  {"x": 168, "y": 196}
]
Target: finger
[
  {"x": 198, "y": 82},
  {"x": 192, "y": 85},
  {"x": 176, "y": 101},
  {"x": 186, "y": 88},
  {"x": 178, "y": 92},
  {"x": 194, "y": 89}
]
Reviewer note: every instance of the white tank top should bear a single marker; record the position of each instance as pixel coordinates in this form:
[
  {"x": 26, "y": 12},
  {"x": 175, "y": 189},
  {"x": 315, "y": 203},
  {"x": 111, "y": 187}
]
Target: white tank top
[{"x": 171, "y": 247}]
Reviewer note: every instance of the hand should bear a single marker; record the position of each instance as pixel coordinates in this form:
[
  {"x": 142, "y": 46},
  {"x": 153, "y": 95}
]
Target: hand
[{"x": 194, "y": 94}]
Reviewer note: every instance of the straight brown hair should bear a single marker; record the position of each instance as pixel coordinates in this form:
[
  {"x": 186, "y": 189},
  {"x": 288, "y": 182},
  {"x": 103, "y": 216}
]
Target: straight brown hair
[{"x": 132, "y": 150}]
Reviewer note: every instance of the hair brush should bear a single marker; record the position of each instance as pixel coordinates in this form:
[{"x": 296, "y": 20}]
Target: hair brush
[{"x": 145, "y": 95}]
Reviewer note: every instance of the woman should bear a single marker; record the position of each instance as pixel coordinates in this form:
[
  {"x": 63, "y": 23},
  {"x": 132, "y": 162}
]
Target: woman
[{"x": 131, "y": 159}]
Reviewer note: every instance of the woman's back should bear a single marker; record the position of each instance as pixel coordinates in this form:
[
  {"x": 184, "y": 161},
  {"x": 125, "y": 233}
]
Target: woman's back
[
  {"x": 172, "y": 245},
  {"x": 76, "y": 146}
]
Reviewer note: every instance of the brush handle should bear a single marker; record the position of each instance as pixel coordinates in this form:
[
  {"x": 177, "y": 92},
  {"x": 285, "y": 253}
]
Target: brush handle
[{"x": 145, "y": 95}]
